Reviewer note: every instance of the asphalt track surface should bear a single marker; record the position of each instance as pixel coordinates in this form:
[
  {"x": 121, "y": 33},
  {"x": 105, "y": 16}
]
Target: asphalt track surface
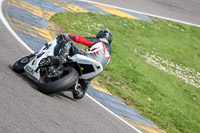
[
  {"x": 183, "y": 10},
  {"x": 25, "y": 110}
]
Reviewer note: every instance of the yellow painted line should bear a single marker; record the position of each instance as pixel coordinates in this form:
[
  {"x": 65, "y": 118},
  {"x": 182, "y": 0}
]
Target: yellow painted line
[
  {"x": 31, "y": 8},
  {"x": 96, "y": 86},
  {"x": 22, "y": 26},
  {"x": 115, "y": 11},
  {"x": 95, "y": 82},
  {"x": 27, "y": 28},
  {"x": 74, "y": 8},
  {"x": 67, "y": 6},
  {"x": 142, "y": 127},
  {"x": 101, "y": 89},
  {"x": 43, "y": 32}
]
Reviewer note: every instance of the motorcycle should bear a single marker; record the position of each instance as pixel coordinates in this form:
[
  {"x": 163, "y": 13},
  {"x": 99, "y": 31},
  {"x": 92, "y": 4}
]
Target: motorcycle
[{"x": 52, "y": 76}]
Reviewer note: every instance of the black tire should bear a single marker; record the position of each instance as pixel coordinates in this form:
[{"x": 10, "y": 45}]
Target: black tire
[
  {"x": 62, "y": 84},
  {"x": 19, "y": 65}
]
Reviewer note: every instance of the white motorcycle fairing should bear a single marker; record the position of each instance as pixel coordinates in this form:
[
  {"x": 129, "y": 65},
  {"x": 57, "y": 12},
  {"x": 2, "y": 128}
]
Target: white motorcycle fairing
[{"x": 89, "y": 67}]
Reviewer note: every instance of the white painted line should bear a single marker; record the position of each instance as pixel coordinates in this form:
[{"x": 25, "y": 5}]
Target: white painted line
[
  {"x": 137, "y": 130},
  {"x": 147, "y": 14},
  {"x": 29, "y": 49}
]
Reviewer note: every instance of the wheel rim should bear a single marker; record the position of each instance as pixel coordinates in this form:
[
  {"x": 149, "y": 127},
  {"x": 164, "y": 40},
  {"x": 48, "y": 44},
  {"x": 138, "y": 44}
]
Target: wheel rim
[{"x": 24, "y": 60}]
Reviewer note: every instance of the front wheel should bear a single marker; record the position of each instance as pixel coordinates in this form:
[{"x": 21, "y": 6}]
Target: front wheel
[
  {"x": 19, "y": 65},
  {"x": 48, "y": 86}
]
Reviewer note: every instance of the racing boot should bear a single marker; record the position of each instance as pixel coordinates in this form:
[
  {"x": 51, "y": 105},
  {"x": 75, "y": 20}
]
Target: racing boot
[
  {"x": 80, "y": 89},
  {"x": 78, "y": 94}
]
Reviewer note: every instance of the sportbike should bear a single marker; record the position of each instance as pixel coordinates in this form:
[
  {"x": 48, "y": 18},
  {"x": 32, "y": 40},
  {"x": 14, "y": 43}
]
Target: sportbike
[{"x": 53, "y": 76}]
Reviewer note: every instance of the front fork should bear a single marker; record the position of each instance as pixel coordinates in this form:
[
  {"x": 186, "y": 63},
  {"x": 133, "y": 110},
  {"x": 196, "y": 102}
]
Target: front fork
[{"x": 31, "y": 56}]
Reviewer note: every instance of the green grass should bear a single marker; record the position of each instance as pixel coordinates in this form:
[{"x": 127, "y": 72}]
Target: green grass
[{"x": 163, "y": 97}]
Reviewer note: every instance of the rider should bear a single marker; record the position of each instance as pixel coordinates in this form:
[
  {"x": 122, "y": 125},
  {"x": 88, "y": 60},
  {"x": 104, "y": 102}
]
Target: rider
[{"x": 99, "y": 49}]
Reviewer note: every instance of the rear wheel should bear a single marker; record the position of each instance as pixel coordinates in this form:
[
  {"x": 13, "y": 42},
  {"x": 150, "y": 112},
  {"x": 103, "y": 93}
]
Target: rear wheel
[
  {"x": 65, "y": 82},
  {"x": 19, "y": 65}
]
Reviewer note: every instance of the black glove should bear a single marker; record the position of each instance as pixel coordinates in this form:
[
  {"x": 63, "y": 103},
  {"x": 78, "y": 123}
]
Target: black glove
[{"x": 62, "y": 39}]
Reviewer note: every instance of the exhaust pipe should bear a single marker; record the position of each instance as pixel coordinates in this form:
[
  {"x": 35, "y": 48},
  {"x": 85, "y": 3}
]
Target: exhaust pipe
[{"x": 77, "y": 87}]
